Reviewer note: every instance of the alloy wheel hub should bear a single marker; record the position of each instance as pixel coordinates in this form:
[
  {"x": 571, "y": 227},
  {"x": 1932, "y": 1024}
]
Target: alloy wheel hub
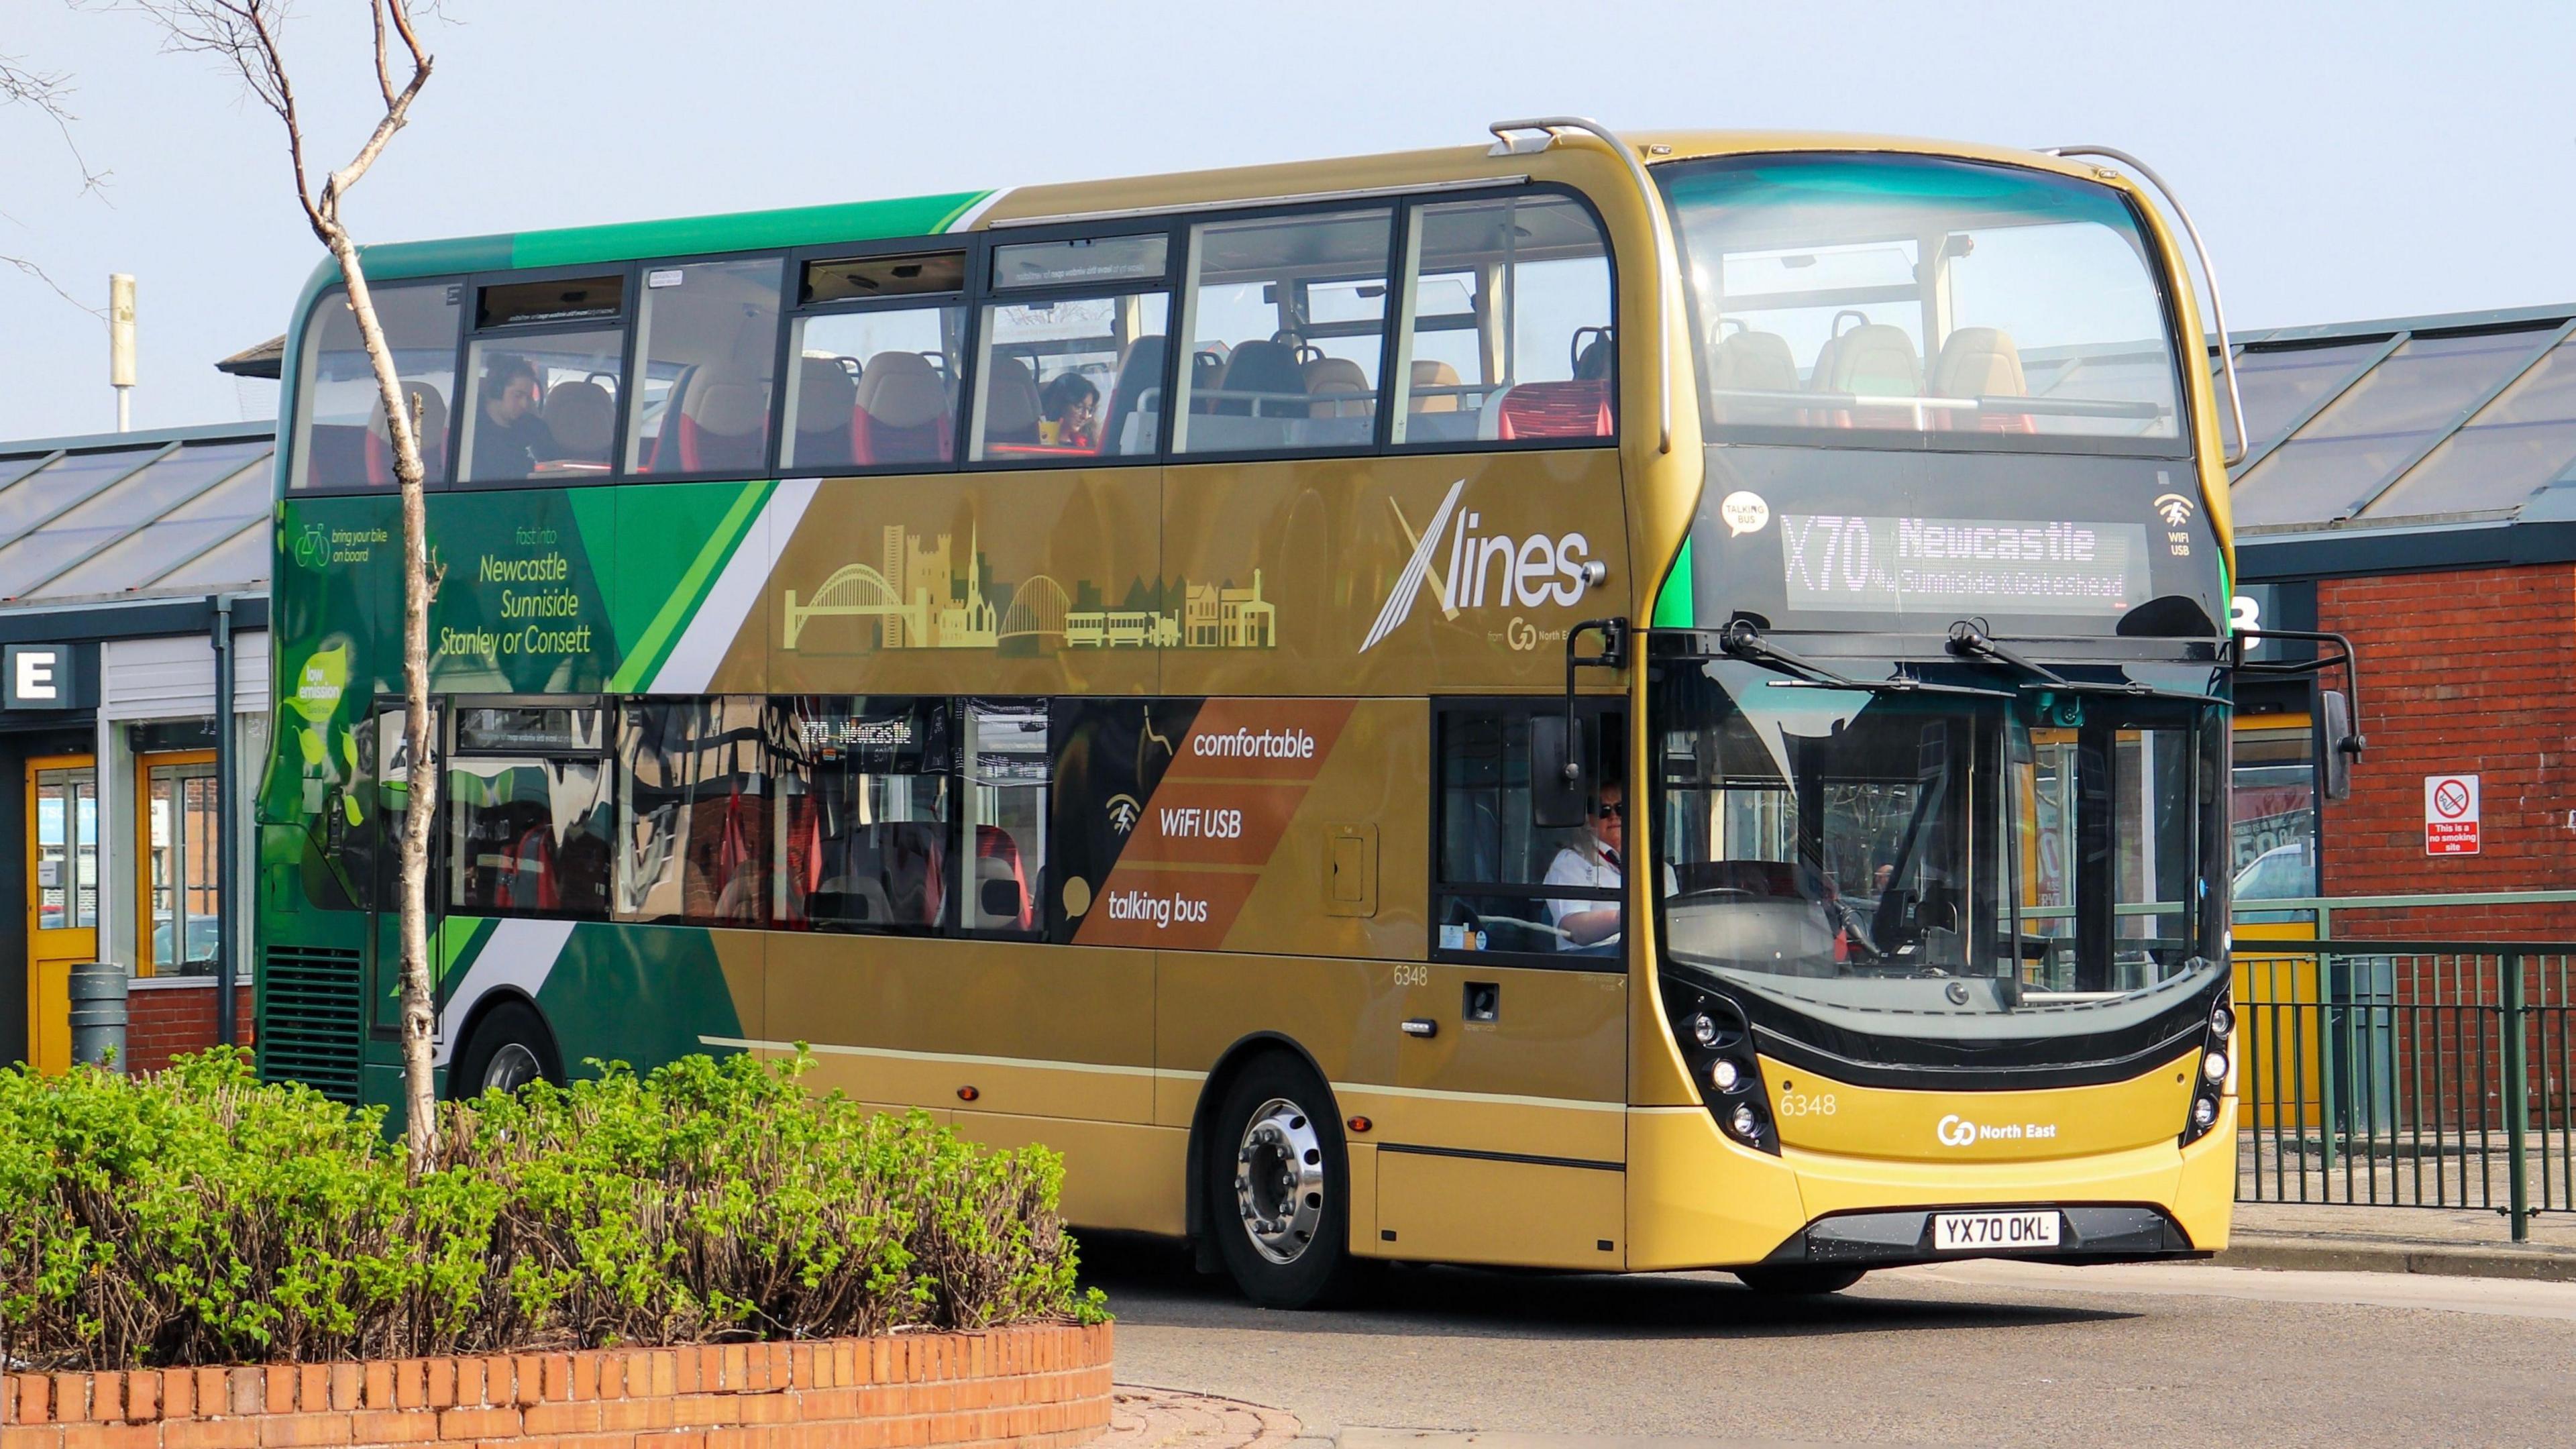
[{"x": 1279, "y": 1180}]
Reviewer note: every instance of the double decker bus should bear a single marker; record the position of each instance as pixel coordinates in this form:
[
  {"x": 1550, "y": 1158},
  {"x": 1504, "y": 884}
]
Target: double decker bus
[{"x": 1593, "y": 702}]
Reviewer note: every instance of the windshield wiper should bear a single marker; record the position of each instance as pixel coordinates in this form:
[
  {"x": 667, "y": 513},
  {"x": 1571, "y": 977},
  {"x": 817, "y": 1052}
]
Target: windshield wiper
[
  {"x": 1744, "y": 641},
  {"x": 1970, "y": 642}
]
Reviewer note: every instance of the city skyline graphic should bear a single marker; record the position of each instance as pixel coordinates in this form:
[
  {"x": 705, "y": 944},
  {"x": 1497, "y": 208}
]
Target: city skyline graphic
[{"x": 918, "y": 594}]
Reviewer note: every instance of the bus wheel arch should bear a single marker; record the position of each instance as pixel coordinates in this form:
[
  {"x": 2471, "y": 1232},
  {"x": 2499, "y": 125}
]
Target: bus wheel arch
[
  {"x": 504, "y": 1043},
  {"x": 1280, "y": 1223},
  {"x": 1230, "y": 1065}
]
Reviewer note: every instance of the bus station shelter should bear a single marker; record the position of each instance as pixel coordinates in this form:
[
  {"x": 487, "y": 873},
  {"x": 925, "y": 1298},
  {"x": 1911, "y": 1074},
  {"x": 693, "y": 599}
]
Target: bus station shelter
[
  {"x": 2411, "y": 483},
  {"x": 126, "y": 559}
]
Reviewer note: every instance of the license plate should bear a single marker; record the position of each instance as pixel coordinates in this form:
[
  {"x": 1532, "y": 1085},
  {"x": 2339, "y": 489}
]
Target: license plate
[{"x": 1988, "y": 1232}]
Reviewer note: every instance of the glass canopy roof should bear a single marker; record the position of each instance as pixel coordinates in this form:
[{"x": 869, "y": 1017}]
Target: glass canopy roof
[
  {"x": 135, "y": 516},
  {"x": 2423, "y": 420}
]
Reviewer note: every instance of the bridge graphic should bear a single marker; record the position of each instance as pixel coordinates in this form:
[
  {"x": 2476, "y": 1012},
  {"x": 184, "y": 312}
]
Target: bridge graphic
[
  {"x": 854, "y": 590},
  {"x": 1036, "y": 611}
]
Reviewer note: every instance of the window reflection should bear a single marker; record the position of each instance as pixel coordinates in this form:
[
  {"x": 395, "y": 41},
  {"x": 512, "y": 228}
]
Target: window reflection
[
  {"x": 864, "y": 818},
  {"x": 692, "y": 812},
  {"x": 530, "y": 813}
]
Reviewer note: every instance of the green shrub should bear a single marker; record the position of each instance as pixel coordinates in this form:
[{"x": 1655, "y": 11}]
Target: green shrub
[{"x": 199, "y": 1217}]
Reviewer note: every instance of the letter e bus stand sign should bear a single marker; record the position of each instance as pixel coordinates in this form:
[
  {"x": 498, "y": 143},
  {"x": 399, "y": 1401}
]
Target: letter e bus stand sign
[
  {"x": 2450, "y": 815},
  {"x": 45, "y": 676}
]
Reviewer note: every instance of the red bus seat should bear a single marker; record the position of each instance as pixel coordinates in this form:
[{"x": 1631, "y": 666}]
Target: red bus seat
[
  {"x": 827, "y": 416},
  {"x": 1576, "y": 409},
  {"x": 723, "y": 421},
  {"x": 901, "y": 412}
]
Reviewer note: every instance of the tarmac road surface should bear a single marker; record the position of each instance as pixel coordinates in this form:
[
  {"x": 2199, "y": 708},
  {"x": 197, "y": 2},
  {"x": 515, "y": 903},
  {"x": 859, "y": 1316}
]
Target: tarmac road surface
[{"x": 1957, "y": 1354}]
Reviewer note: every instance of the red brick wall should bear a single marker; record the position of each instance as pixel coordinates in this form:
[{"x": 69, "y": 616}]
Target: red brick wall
[
  {"x": 164, "y": 1022},
  {"x": 1038, "y": 1387},
  {"x": 2466, "y": 672}
]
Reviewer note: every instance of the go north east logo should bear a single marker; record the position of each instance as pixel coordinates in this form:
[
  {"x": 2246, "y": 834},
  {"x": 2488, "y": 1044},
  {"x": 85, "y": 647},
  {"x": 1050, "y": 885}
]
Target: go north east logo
[
  {"x": 1957, "y": 1131},
  {"x": 1506, "y": 571}
]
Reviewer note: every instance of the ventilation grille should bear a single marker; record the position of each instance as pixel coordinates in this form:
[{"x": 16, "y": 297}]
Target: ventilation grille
[{"x": 312, "y": 1026}]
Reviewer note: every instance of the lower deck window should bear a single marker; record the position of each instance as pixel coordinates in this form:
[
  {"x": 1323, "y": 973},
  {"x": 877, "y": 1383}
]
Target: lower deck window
[
  {"x": 693, "y": 811},
  {"x": 529, "y": 808},
  {"x": 865, "y": 823}
]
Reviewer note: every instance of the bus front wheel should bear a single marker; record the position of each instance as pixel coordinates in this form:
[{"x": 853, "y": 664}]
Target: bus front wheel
[
  {"x": 509, "y": 1049},
  {"x": 1278, "y": 1186},
  {"x": 1794, "y": 1279}
]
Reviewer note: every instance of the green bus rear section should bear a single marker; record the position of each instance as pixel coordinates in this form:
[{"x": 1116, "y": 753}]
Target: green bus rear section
[{"x": 635, "y": 560}]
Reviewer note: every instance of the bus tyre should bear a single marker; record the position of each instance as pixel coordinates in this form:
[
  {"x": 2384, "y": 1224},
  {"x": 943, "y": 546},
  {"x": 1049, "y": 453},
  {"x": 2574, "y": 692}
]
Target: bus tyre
[
  {"x": 509, "y": 1049},
  {"x": 1795, "y": 1279},
  {"x": 1278, "y": 1187}
]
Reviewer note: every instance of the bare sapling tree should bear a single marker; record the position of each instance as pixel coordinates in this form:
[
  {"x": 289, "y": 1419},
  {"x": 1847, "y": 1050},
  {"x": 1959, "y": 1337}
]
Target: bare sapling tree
[
  {"x": 247, "y": 35},
  {"x": 47, "y": 94}
]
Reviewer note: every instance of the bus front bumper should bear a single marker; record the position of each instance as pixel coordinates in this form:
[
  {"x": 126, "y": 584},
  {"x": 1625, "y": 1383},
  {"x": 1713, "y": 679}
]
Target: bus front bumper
[
  {"x": 1698, "y": 1199},
  {"x": 2089, "y": 1233}
]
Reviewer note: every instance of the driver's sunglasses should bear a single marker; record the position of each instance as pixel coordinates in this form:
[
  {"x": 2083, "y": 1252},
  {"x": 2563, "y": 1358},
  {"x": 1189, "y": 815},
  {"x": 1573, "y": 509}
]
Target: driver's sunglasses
[{"x": 1611, "y": 810}]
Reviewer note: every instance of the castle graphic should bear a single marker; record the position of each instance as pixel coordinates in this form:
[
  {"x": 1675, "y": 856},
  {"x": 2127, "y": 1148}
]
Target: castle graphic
[{"x": 920, "y": 597}]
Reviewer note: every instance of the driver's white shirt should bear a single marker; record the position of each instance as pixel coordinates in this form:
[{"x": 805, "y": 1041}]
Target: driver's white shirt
[{"x": 1587, "y": 864}]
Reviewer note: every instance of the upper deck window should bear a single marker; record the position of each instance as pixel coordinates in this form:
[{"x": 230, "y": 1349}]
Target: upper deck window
[
  {"x": 862, "y": 279},
  {"x": 1072, "y": 373},
  {"x": 873, "y": 367},
  {"x": 1286, "y": 318},
  {"x": 706, "y": 350},
  {"x": 1893, "y": 294},
  {"x": 340, "y": 433},
  {"x": 545, "y": 365},
  {"x": 574, "y": 299},
  {"x": 1081, "y": 262},
  {"x": 1506, "y": 327}
]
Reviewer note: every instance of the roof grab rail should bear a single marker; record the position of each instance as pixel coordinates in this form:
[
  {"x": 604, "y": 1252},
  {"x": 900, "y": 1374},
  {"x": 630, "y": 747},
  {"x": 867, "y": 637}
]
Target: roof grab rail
[
  {"x": 1656, "y": 224},
  {"x": 2217, "y": 308}
]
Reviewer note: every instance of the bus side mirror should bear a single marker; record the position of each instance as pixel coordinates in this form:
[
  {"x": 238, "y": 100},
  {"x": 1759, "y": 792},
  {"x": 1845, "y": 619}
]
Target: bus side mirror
[
  {"x": 1557, "y": 786},
  {"x": 2337, "y": 746}
]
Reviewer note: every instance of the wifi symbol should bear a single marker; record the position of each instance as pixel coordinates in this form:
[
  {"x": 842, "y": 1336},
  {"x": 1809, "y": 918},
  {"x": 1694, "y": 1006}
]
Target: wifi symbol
[{"x": 2175, "y": 509}]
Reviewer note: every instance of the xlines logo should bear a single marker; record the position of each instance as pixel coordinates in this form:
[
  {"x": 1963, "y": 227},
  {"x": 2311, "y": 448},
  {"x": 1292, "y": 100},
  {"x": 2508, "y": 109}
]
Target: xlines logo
[{"x": 1511, "y": 572}]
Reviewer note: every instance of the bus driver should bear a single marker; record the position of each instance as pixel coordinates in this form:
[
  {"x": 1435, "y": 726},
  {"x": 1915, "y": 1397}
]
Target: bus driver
[{"x": 1594, "y": 860}]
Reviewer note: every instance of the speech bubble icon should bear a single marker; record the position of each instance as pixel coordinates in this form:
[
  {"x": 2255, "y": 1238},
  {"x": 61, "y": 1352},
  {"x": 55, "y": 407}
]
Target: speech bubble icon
[{"x": 1744, "y": 512}]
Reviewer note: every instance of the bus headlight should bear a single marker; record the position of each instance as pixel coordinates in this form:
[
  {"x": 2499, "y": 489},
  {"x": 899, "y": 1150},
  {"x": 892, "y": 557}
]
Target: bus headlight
[
  {"x": 2217, "y": 1070},
  {"x": 1716, "y": 1045}
]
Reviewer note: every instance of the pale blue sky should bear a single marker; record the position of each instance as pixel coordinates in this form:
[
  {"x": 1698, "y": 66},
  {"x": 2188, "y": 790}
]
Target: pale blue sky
[{"x": 2345, "y": 161}]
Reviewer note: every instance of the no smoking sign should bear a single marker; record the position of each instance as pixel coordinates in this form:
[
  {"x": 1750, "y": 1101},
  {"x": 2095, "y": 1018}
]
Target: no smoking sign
[{"x": 2450, "y": 815}]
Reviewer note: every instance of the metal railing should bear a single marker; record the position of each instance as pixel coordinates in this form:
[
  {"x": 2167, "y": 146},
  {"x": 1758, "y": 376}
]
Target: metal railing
[{"x": 2407, "y": 1072}]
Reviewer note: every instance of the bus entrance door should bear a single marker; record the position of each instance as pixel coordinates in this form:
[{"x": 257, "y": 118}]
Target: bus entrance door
[
  {"x": 62, "y": 898},
  {"x": 1514, "y": 1095}
]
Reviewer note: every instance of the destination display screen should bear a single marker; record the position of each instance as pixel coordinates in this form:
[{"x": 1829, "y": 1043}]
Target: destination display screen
[{"x": 1893, "y": 564}]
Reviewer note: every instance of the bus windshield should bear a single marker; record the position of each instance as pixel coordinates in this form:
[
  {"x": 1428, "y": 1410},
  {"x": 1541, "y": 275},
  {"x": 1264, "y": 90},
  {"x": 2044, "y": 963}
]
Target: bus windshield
[
  {"x": 1991, "y": 857},
  {"x": 1900, "y": 294}
]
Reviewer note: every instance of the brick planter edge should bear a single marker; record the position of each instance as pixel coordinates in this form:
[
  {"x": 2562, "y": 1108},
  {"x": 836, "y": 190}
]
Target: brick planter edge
[{"x": 1041, "y": 1387}]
